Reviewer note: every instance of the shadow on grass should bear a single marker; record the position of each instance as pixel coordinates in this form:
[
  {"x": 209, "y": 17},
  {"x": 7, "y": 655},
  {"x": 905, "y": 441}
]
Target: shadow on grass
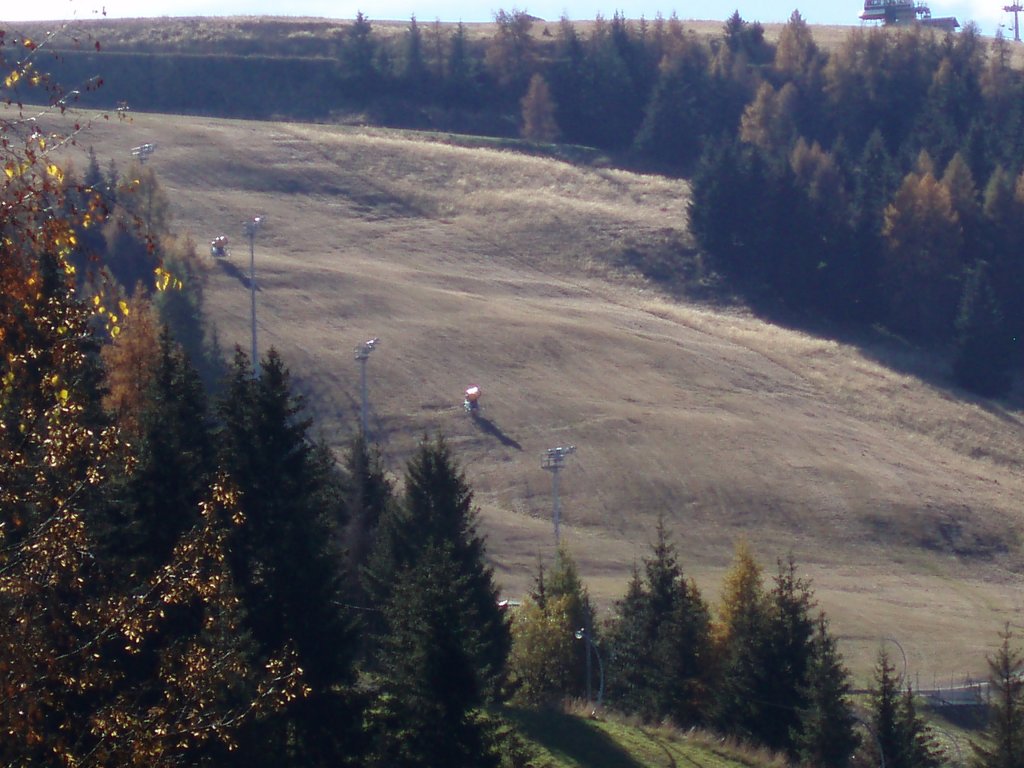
[
  {"x": 492, "y": 429},
  {"x": 237, "y": 273},
  {"x": 572, "y": 738}
]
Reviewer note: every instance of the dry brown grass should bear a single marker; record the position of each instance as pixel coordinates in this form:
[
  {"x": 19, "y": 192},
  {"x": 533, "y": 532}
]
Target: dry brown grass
[{"x": 899, "y": 499}]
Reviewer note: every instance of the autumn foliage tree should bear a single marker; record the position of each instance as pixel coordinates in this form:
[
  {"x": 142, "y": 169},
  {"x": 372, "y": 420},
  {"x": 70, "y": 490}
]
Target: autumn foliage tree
[
  {"x": 539, "y": 123},
  {"x": 71, "y": 638}
]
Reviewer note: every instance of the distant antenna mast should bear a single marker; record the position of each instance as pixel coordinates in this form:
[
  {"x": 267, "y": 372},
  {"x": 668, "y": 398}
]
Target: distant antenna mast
[
  {"x": 362, "y": 355},
  {"x": 554, "y": 460},
  {"x": 1015, "y": 9}
]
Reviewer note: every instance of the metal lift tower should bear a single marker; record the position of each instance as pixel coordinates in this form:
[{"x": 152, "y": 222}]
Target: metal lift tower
[
  {"x": 554, "y": 460},
  {"x": 1015, "y": 9}
]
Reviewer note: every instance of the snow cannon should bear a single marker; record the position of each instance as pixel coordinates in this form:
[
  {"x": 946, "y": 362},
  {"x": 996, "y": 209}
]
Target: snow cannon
[
  {"x": 471, "y": 399},
  {"x": 219, "y": 246}
]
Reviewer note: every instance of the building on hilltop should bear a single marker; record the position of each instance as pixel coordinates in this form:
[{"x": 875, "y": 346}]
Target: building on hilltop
[{"x": 895, "y": 12}]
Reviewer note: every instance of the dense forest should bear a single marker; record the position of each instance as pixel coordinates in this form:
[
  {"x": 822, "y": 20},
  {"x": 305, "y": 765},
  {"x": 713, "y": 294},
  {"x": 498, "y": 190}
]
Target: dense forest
[{"x": 188, "y": 577}]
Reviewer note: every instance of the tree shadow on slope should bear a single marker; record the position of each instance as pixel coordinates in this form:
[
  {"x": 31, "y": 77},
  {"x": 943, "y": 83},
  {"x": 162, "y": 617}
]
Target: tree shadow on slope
[
  {"x": 572, "y": 738},
  {"x": 928, "y": 362}
]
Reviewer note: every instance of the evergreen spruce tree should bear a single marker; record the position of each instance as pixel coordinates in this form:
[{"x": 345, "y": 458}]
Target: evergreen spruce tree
[
  {"x": 677, "y": 635},
  {"x": 415, "y": 74},
  {"x": 426, "y": 711},
  {"x": 1004, "y": 747},
  {"x": 901, "y": 734},
  {"x": 789, "y": 656},
  {"x": 983, "y": 349},
  {"x": 286, "y": 560},
  {"x": 437, "y": 509},
  {"x": 174, "y": 461},
  {"x": 919, "y": 747},
  {"x": 660, "y": 659},
  {"x": 627, "y": 659},
  {"x": 885, "y": 703},
  {"x": 676, "y": 120},
  {"x": 368, "y": 493},
  {"x": 825, "y": 735}
]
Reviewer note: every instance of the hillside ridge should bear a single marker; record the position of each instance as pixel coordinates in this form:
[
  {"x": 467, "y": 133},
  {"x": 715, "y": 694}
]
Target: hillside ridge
[{"x": 899, "y": 499}]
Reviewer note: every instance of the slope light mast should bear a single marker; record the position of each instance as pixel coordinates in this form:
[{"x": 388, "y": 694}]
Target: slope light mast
[
  {"x": 553, "y": 461},
  {"x": 362, "y": 355},
  {"x": 252, "y": 226}
]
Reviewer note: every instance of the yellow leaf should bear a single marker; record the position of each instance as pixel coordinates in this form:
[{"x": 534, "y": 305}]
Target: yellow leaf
[
  {"x": 64, "y": 395},
  {"x": 124, "y": 307},
  {"x": 12, "y": 79},
  {"x": 53, "y": 169}
]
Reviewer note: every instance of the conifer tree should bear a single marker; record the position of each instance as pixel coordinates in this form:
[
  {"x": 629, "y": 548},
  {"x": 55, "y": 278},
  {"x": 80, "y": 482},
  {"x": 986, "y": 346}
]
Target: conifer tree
[
  {"x": 368, "y": 494},
  {"x": 825, "y": 733},
  {"x": 357, "y": 57},
  {"x": 920, "y": 749},
  {"x": 901, "y": 734},
  {"x": 789, "y": 655},
  {"x": 426, "y": 712},
  {"x": 885, "y": 701},
  {"x": 285, "y": 558},
  {"x": 414, "y": 69},
  {"x": 983, "y": 345},
  {"x": 129, "y": 360},
  {"x": 539, "y": 123},
  {"x": 437, "y": 509},
  {"x": 660, "y": 663},
  {"x": 627, "y": 659},
  {"x": 1004, "y": 747},
  {"x": 173, "y": 464},
  {"x": 742, "y": 647},
  {"x": 675, "y": 118},
  {"x": 922, "y": 257}
]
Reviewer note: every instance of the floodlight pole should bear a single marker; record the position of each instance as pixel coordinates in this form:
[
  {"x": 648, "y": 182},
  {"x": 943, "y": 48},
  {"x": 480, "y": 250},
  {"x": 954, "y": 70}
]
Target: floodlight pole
[
  {"x": 362, "y": 355},
  {"x": 582, "y": 634},
  {"x": 251, "y": 227},
  {"x": 554, "y": 460},
  {"x": 142, "y": 152}
]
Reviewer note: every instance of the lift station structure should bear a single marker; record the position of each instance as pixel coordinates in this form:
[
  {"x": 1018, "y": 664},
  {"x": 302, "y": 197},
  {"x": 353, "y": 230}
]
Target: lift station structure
[{"x": 903, "y": 12}]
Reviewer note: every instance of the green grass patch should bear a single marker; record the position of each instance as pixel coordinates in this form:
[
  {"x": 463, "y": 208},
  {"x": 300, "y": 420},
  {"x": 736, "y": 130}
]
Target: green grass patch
[{"x": 572, "y": 741}]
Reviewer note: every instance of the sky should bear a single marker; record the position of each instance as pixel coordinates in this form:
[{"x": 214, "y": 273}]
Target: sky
[{"x": 987, "y": 14}]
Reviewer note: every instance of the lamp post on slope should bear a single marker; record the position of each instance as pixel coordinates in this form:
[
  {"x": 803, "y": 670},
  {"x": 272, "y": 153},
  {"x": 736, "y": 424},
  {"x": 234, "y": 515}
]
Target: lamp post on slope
[
  {"x": 582, "y": 634},
  {"x": 362, "y": 355},
  {"x": 554, "y": 460},
  {"x": 251, "y": 227}
]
